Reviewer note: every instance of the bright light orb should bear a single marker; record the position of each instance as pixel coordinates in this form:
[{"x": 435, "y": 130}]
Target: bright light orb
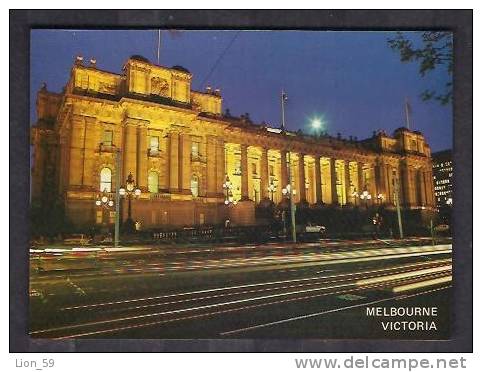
[{"x": 316, "y": 123}]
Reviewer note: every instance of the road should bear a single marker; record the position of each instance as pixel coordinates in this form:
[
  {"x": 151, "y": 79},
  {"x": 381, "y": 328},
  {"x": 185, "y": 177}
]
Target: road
[{"x": 310, "y": 290}]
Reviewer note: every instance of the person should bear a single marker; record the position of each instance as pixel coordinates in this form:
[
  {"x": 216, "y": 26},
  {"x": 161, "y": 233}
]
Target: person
[{"x": 227, "y": 223}]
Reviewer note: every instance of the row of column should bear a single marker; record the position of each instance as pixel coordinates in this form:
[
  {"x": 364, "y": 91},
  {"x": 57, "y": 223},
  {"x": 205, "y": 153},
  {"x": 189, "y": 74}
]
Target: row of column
[
  {"x": 415, "y": 185},
  {"x": 178, "y": 160},
  {"x": 264, "y": 176}
]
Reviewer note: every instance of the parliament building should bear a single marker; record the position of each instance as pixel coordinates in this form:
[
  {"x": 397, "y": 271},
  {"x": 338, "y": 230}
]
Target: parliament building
[{"x": 195, "y": 164}]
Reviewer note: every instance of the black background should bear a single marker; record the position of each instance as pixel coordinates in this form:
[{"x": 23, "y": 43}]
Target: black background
[{"x": 457, "y": 21}]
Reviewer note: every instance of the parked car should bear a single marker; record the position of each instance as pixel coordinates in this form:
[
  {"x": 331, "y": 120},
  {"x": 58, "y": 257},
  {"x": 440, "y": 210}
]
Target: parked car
[
  {"x": 442, "y": 228},
  {"x": 310, "y": 231}
]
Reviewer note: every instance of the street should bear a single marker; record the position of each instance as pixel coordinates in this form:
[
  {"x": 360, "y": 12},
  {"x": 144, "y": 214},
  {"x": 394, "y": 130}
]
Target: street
[{"x": 275, "y": 290}]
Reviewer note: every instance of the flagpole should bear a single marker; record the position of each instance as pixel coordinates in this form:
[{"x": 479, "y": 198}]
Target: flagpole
[
  {"x": 158, "y": 46},
  {"x": 407, "y": 113}
]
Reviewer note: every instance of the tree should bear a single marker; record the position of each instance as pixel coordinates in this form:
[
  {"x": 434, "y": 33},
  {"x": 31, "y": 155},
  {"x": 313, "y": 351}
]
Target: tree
[{"x": 433, "y": 51}]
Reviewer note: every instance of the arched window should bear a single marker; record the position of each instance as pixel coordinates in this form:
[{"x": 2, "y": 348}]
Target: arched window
[
  {"x": 106, "y": 180},
  {"x": 195, "y": 186},
  {"x": 153, "y": 182}
]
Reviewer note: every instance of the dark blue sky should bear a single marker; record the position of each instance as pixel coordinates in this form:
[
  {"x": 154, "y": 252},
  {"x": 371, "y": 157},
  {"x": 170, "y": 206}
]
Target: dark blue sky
[{"x": 352, "y": 79}]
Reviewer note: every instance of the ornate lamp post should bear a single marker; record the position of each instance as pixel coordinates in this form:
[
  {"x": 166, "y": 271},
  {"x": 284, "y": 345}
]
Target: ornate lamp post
[
  {"x": 355, "y": 196},
  {"x": 365, "y": 195},
  {"x": 271, "y": 190},
  {"x": 104, "y": 201},
  {"x": 380, "y": 198},
  {"x": 131, "y": 190},
  {"x": 288, "y": 192},
  {"x": 228, "y": 192}
]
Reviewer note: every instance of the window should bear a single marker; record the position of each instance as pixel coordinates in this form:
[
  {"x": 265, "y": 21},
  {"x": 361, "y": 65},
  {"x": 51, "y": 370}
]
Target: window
[
  {"x": 195, "y": 186},
  {"x": 106, "y": 180},
  {"x": 253, "y": 167},
  {"x": 153, "y": 145},
  {"x": 414, "y": 145},
  {"x": 195, "y": 149},
  {"x": 107, "y": 137},
  {"x": 153, "y": 182},
  {"x": 271, "y": 170}
]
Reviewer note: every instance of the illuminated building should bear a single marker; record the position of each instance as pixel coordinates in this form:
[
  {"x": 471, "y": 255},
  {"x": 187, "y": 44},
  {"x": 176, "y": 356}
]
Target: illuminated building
[
  {"x": 181, "y": 149},
  {"x": 442, "y": 175}
]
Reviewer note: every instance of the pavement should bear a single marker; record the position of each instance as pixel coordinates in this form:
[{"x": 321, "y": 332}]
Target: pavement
[{"x": 310, "y": 290}]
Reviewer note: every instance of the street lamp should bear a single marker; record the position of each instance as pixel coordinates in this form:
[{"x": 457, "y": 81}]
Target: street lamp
[
  {"x": 380, "y": 198},
  {"x": 316, "y": 123},
  {"x": 355, "y": 196},
  {"x": 228, "y": 187},
  {"x": 271, "y": 190},
  {"x": 131, "y": 190},
  {"x": 286, "y": 191},
  {"x": 365, "y": 195},
  {"x": 104, "y": 201}
]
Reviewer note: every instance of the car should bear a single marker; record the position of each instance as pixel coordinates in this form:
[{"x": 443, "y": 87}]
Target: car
[
  {"x": 442, "y": 228},
  {"x": 315, "y": 229},
  {"x": 310, "y": 231}
]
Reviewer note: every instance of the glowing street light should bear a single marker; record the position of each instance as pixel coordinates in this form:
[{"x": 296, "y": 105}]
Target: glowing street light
[
  {"x": 272, "y": 189},
  {"x": 104, "y": 200},
  {"x": 316, "y": 123},
  {"x": 365, "y": 195},
  {"x": 131, "y": 190},
  {"x": 228, "y": 187}
]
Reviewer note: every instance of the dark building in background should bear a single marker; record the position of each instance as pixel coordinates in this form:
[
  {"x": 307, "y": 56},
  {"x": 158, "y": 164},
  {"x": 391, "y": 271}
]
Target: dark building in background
[{"x": 442, "y": 175}]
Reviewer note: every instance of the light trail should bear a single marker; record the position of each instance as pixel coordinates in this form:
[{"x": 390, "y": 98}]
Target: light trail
[
  {"x": 312, "y": 259},
  {"x": 196, "y": 316},
  {"x": 403, "y": 275},
  {"x": 219, "y": 289},
  {"x": 423, "y": 284},
  {"x": 346, "y": 287}
]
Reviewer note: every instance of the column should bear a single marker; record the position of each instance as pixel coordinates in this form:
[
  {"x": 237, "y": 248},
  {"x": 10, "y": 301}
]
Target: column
[
  {"x": 371, "y": 180},
  {"x": 91, "y": 145},
  {"x": 130, "y": 150},
  {"x": 389, "y": 182},
  {"x": 406, "y": 186},
  {"x": 334, "y": 195},
  {"x": 360, "y": 184},
  {"x": 319, "y": 197},
  {"x": 284, "y": 170},
  {"x": 142, "y": 157},
  {"x": 244, "y": 173},
  {"x": 421, "y": 187},
  {"x": 301, "y": 175},
  {"x": 211, "y": 165},
  {"x": 264, "y": 174},
  {"x": 379, "y": 177},
  {"x": 173, "y": 162},
  {"x": 220, "y": 166},
  {"x": 185, "y": 163},
  {"x": 347, "y": 182},
  {"x": 429, "y": 191},
  {"x": 76, "y": 151}
]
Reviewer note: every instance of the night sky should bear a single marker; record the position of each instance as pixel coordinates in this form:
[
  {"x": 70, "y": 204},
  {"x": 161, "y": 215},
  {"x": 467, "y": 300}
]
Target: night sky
[{"x": 351, "y": 80}]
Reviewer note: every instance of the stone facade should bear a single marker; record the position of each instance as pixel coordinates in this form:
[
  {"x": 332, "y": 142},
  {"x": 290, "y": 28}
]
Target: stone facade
[{"x": 181, "y": 149}]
